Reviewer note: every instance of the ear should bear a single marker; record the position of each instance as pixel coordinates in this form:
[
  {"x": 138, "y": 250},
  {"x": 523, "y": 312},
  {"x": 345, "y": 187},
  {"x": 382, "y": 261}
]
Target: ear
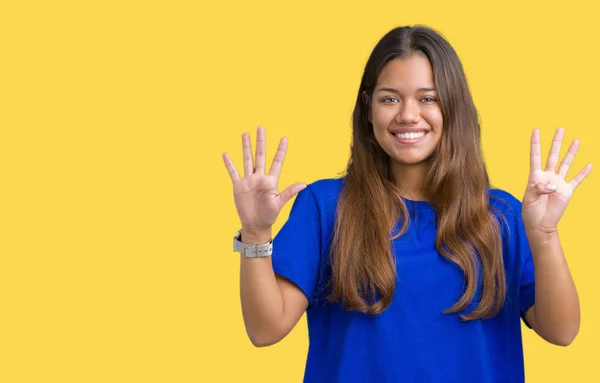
[{"x": 365, "y": 99}]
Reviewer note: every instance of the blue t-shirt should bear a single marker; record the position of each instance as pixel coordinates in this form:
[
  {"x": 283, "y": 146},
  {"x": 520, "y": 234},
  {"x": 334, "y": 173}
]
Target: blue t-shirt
[{"x": 412, "y": 340}]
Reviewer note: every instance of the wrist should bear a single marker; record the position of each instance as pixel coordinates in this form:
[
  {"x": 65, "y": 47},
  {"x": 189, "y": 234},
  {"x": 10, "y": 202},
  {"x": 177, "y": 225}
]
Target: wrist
[
  {"x": 542, "y": 241},
  {"x": 541, "y": 234},
  {"x": 256, "y": 236}
]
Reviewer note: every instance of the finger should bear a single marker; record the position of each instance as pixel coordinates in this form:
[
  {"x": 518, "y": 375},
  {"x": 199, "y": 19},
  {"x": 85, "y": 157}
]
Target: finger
[
  {"x": 247, "y": 153},
  {"x": 233, "y": 173},
  {"x": 536, "y": 152},
  {"x": 261, "y": 149},
  {"x": 554, "y": 154},
  {"x": 290, "y": 192},
  {"x": 578, "y": 179},
  {"x": 563, "y": 169},
  {"x": 277, "y": 163}
]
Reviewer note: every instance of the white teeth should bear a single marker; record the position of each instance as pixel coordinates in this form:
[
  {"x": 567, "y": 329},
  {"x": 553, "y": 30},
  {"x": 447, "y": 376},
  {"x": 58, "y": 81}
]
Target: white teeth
[{"x": 405, "y": 136}]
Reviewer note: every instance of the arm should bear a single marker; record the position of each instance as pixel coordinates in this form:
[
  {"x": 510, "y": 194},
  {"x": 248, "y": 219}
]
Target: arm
[
  {"x": 271, "y": 305},
  {"x": 556, "y": 314}
]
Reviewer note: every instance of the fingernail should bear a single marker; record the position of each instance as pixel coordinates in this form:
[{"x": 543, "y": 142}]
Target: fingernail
[{"x": 550, "y": 187}]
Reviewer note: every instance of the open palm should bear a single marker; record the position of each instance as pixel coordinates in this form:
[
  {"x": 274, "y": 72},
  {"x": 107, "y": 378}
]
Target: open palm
[
  {"x": 548, "y": 193},
  {"x": 257, "y": 198}
]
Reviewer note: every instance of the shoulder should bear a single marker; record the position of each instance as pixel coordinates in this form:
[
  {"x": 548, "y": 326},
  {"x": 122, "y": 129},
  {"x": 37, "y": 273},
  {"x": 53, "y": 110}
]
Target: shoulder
[
  {"x": 504, "y": 202},
  {"x": 325, "y": 191},
  {"x": 320, "y": 198},
  {"x": 327, "y": 185},
  {"x": 507, "y": 209}
]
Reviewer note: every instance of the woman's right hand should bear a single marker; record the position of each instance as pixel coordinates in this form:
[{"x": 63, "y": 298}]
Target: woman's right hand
[{"x": 257, "y": 198}]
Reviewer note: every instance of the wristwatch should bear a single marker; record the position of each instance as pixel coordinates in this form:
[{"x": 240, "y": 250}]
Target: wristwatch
[{"x": 251, "y": 251}]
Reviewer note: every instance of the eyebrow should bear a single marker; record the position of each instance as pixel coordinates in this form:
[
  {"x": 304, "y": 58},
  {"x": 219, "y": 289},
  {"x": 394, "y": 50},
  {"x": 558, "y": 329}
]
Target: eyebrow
[{"x": 392, "y": 90}]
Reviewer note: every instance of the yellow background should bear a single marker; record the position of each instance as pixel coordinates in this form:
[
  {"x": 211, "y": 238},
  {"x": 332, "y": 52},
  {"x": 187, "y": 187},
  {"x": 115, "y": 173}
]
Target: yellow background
[{"x": 116, "y": 211}]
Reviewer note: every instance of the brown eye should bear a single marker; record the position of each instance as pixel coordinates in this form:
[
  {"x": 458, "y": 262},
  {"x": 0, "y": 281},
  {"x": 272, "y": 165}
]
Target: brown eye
[{"x": 390, "y": 100}]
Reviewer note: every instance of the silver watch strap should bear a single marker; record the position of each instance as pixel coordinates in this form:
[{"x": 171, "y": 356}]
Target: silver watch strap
[{"x": 250, "y": 250}]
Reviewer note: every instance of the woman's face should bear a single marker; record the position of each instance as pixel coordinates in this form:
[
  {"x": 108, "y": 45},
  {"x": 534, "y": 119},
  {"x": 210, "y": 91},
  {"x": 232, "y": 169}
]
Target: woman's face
[{"x": 405, "y": 112}]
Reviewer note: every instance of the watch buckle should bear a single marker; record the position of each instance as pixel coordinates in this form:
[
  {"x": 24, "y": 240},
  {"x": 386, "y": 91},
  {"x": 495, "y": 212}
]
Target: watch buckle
[{"x": 250, "y": 252}]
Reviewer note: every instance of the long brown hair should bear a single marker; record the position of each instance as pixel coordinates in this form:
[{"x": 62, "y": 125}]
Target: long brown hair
[{"x": 362, "y": 260}]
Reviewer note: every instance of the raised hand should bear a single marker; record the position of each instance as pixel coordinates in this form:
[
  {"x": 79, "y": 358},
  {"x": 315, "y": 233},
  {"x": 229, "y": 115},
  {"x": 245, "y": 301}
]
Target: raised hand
[
  {"x": 548, "y": 193},
  {"x": 257, "y": 198}
]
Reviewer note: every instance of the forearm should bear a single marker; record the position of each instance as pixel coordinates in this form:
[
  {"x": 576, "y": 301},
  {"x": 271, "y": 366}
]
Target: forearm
[
  {"x": 261, "y": 297},
  {"x": 557, "y": 311}
]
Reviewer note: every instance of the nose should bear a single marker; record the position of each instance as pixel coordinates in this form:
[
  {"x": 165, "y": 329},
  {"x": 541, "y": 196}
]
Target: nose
[{"x": 409, "y": 113}]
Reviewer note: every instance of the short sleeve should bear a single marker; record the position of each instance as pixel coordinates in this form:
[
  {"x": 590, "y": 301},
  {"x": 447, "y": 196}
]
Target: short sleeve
[
  {"x": 297, "y": 245},
  {"x": 519, "y": 257},
  {"x": 527, "y": 280}
]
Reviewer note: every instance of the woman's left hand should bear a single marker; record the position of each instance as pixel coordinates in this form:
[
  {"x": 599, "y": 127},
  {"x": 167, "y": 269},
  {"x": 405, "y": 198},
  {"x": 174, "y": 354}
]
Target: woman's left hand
[{"x": 548, "y": 193}]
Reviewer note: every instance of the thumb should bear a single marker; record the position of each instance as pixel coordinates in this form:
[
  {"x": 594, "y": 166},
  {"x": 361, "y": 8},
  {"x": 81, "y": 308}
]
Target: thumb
[
  {"x": 539, "y": 189},
  {"x": 290, "y": 192}
]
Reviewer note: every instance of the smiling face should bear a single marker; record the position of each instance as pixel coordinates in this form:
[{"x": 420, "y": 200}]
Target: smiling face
[{"x": 405, "y": 111}]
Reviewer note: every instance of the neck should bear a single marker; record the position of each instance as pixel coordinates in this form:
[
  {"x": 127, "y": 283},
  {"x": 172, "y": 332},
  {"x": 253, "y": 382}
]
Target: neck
[{"x": 410, "y": 180}]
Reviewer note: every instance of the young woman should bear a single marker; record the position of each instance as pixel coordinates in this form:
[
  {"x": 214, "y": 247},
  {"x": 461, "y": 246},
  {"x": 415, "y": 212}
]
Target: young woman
[{"x": 411, "y": 268}]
